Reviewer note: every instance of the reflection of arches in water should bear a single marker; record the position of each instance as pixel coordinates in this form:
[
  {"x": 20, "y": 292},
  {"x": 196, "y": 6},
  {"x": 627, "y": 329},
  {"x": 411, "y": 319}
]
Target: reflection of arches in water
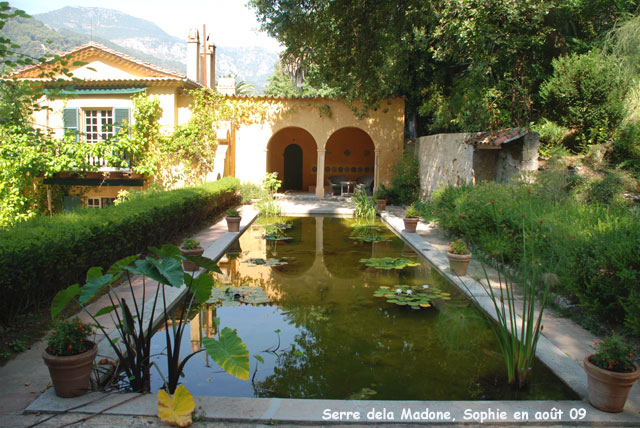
[{"x": 298, "y": 252}]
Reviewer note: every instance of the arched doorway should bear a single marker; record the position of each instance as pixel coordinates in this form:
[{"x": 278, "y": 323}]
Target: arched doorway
[
  {"x": 293, "y": 154},
  {"x": 350, "y": 153},
  {"x": 292, "y": 179}
]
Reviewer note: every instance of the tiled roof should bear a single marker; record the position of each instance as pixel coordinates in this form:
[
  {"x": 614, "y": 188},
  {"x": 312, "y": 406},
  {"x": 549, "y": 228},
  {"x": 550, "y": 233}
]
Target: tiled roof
[
  {"x": 155, "y": 81},
  {"x": 499, "y": 137},
  {"x": 87, "y": 48}
]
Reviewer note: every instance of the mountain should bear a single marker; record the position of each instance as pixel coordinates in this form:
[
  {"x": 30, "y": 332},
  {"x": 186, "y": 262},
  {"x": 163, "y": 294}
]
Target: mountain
[{"x": 251, "y": 64}]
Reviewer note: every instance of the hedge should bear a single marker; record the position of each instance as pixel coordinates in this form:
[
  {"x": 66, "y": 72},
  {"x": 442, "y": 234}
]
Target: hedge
[
  {"x": 44, "y": 255},
  {"x": 593, "y": 249}
]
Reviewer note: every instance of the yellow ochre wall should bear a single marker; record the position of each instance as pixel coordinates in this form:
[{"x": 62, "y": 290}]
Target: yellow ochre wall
[
  {"x": 280, "y": 141},
  {"x": 321, "y": 118}
]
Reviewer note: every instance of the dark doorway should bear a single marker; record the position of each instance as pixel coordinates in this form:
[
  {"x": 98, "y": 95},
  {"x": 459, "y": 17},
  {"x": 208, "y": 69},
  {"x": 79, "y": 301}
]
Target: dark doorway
[{"x": 292, "y": 179}]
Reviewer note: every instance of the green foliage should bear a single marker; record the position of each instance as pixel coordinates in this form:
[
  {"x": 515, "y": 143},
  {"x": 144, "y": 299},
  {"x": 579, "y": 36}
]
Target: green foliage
[
  {"x": 249, "y": 191},
  {"x": 229, "y": 353},
  {"x": 518, "y": 339},
  {"x": 614, "y": 354},
  {"x": 411, "y": 212},
  {"x": 416, "y": 297},
  {"x": 626, "y": 146},
  {"x": 69, "y": 338},
  {"x": 268, "y": 204},
  {"x": 244, "y": 294},
  {"x": 41, "y": 256},
  {"x": 594, "y": 249},
  {"x": 190, "y": 244},
  {"x": 405, "y": 184},
  {"x": 367, "y": 233},
  {"x": 586, "y": 93},
  {"x": 389, "y": 263},
  {"x": 232, "y": 212},
  {"x": 458, "y": 247},
  {"x": 365, "y": 206}
]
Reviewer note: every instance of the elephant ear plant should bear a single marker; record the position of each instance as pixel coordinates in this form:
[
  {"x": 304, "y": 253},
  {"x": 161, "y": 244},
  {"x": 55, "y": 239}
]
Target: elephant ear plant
[{"x": 135, "y": 322}]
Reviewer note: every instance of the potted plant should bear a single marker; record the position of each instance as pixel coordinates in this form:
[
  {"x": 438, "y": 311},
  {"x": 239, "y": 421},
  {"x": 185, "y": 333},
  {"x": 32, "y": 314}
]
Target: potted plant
[
  {"x": 191, "y": 247},
  {"x": 459, "y": 257},
  {"x": 233, "y": 220},
  {"x": 610, "y": 374},
  {"x": 381, "y": 199},
  {"x": 69, "y": 355},
  {"x": 410, "y": 219}
]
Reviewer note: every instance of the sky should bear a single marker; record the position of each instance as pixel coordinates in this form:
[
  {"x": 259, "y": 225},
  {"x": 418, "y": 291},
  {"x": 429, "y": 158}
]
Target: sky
[{"x": 229, "y": 22}]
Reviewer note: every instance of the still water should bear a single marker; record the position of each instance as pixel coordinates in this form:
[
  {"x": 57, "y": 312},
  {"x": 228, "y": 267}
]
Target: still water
[{"x": 324, "y": 335}]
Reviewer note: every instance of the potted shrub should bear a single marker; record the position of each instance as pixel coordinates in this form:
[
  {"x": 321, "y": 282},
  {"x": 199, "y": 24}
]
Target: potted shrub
[
  {"x": 610, "y": 374},
  {"x": 191, "y": 247},
  {"x": 233, "y": 220},
  {"x": 459, "y": 257},
  {"x": 410, "y": 219},
  {"x": 381, "y": 199},
  {"x": 69, "y": 356}
]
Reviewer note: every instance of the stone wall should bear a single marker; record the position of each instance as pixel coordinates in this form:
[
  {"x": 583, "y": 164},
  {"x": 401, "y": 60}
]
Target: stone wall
[{"x": 446, "y": 159}]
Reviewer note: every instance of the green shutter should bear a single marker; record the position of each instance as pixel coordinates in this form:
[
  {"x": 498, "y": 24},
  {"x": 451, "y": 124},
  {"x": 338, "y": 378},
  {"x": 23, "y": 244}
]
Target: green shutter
[
  {"x": 121, "y": 116},
  {"x": 70, "y": 120}
]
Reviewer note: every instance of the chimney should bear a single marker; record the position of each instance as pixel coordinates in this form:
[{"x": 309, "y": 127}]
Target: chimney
[
  {"x": 193, "y": 55},
  {"x": 210, "y": 61}
]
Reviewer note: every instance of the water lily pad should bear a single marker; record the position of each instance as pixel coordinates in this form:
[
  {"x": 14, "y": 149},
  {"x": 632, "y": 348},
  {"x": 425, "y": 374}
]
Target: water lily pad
[
  {"x": 388, "y": 263},
  {"x": 275, "y": 237},
  {"x": 235, "y": 296},
  {"x": 268, "y": 262},
  {"x": 416, "y": 296}
]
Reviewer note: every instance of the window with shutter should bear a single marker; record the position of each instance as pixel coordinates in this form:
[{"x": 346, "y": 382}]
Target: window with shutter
[
  {"x": 121, "y": 116},
  {"x": 70, "y": 119}
]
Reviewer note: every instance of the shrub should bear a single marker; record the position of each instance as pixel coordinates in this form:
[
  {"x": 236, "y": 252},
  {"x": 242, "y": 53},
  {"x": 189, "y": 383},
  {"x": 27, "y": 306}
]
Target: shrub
[
  {"x": 594, "y": 249},
  {"x": 44, "y": 255},
  {"x": 586, "y": 93},
  {"x": 405, "y": 185}
]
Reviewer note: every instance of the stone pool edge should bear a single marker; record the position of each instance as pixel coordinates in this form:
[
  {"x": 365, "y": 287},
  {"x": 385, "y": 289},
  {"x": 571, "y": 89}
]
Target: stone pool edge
[{"x": 309, "y": 412}]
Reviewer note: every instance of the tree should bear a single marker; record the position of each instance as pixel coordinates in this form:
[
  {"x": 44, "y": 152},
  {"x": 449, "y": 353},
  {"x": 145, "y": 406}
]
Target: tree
[{"x": 462, "y": 64}]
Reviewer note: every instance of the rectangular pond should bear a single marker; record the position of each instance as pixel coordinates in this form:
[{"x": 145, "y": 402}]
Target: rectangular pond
[{"x": 303, "y": 302}]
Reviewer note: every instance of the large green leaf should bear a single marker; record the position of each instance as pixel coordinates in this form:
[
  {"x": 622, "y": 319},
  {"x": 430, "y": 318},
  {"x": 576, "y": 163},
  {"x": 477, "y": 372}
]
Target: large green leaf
[
  {"x": 118, "y": 266},
  {"x": 93, "y": 286},
  {"x": 204, "y": 262},
  {"x": 167, "y": 250},
  {"x": 106, "y": 310},
  {"x": 229, "y": 352},
  {"x": 171, "y": 271},
  {"x": 200, "y": 286},
  {"x": 143, "y": 267},
  {"x": 63, "y": 298},
  {"x": 93, "y": 273}
]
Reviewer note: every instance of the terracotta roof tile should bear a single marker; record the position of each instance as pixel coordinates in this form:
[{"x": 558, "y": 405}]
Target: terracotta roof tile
[{"x": 498, "y": 137}]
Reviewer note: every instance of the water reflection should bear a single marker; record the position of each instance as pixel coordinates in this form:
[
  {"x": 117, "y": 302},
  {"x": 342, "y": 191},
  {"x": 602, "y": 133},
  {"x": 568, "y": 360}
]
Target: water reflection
[{"x": 324, "y": 335}]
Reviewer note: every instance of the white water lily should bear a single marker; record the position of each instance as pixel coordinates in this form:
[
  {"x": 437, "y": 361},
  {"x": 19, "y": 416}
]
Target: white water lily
[
  {"x": 398, "y": 290},
  {"x": 409, "y": 292},
  {"x": 425, "y": 286}
]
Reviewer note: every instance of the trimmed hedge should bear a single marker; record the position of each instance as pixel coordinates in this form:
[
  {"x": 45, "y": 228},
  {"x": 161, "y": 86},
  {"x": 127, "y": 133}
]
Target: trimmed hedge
[
  {"x": 594, "y": 249},
  {"x": 42, "y": 256}
]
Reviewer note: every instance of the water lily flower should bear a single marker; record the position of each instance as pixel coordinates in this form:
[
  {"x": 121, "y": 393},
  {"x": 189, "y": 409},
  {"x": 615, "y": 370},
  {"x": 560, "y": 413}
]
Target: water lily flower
[
  {"x": 425, "y": 286},
  {"x": 398, "y": 290},
  {"x": 409, "y": 292}
]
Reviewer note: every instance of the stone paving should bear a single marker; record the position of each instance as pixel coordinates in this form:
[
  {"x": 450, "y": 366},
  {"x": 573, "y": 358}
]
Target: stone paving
[{"x": 26, "y": 379}]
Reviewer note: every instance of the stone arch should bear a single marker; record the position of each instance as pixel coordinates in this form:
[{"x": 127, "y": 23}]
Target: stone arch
[
  {"x": 350, "y": 152},
  {"x": 284, "y": 142}
]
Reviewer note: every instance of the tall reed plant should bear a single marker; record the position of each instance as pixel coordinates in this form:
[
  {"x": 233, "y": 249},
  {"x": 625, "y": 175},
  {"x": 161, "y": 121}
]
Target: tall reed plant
[{"x": 365, "y": 206}]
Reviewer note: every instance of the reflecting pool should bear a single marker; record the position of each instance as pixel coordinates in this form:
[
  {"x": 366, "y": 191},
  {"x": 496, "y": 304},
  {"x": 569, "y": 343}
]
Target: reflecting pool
[{"x": 322, "y": 334}]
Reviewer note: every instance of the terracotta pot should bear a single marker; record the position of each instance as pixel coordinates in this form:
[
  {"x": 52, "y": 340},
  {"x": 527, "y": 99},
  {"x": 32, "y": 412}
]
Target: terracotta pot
[
  {"x": 71, "y": 374},
  {"x": 608, "y": 390},
  {"x": 233, "y": 223},
  {"x": 186, "y": 264},
  {"x": 410, "y": 224},
  {"x": 381, "y": 204},
  {"x": 459, "y": 263}
]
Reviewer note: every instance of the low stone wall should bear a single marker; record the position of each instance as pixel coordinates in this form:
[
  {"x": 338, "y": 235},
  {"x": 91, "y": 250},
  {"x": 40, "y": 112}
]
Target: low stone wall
[{"x": 446, "y": 159}]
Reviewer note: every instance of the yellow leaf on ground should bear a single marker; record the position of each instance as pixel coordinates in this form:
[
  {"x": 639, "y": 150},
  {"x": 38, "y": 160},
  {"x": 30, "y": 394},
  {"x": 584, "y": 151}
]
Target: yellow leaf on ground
[{"x": 176, "y": 410}]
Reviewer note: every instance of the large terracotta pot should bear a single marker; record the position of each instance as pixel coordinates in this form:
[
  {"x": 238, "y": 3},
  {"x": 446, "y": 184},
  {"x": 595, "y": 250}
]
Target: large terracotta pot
[
  {"x": 233, "y": 223},
  {"x": 381, "y": 204},
  {"x": 186, "y": 264},
  {"x": 459, "y": 263},
  {"x": 71, "y": 374},
  {"x": 410, "y": 224},
  {"x": 608, "y": 391}
]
